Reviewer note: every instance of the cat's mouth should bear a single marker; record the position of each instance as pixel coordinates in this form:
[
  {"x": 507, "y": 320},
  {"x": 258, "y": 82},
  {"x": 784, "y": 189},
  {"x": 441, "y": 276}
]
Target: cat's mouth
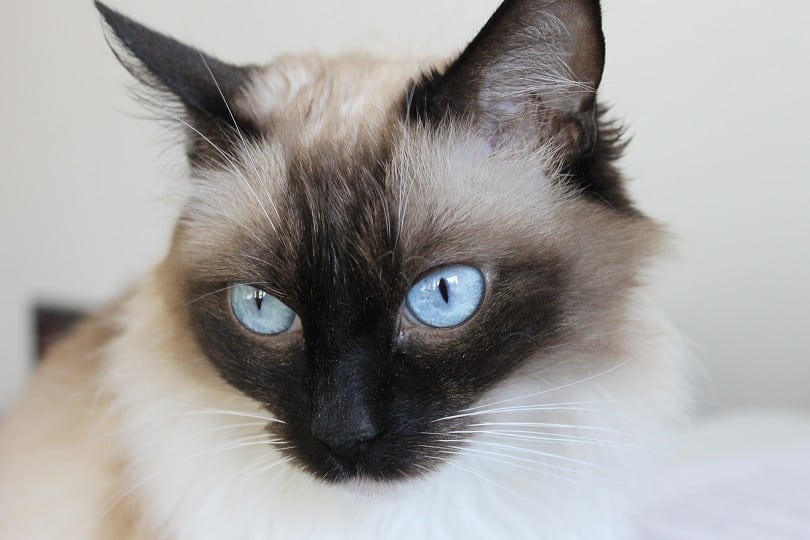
[
  {"x": 375, "y": 463},
  {"x": 386, "y": 459}
]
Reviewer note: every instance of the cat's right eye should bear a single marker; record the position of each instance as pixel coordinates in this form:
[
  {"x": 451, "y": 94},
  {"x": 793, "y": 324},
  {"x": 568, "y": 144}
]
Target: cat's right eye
[{"x": 261, "y": 312}]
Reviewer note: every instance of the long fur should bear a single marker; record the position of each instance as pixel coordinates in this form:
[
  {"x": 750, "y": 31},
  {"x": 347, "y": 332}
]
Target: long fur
[{"x": 129, "y": 432}]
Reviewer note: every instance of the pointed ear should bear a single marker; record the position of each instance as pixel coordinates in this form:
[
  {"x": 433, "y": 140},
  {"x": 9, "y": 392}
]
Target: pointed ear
[
  {"x": 535, "y": 66},
  {"x": 206, "y": 87}
]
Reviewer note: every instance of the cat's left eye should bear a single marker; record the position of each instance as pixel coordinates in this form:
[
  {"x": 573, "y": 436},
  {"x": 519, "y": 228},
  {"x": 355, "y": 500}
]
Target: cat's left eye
[
  {"x": 446, "y": 297},
  {"x": 261, "y": 312}
]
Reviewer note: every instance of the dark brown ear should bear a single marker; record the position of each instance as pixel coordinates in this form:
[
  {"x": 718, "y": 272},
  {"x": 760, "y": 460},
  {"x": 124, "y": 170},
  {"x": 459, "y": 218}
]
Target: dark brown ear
[
  {"x": 204, "y": 86},
  {"x": 535, "y": 61}
]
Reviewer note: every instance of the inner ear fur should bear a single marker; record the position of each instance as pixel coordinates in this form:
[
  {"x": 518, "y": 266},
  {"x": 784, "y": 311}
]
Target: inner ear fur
[
  {"x": 534, "y": 67},
  {"x": 531, "y": 76},
  {"x": 205, "y": 87}
]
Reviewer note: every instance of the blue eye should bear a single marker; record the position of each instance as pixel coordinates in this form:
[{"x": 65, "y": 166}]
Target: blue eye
[
  {"x": 446, "y": 297},
  {"x": 261, "y": 312}
]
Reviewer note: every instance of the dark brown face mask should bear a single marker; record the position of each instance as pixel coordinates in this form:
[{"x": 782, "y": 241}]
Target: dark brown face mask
[{"x": 363, "y": 384}]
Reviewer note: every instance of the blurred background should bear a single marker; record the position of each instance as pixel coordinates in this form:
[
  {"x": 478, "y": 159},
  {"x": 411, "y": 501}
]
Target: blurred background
[{"x": 714, "y": 95}]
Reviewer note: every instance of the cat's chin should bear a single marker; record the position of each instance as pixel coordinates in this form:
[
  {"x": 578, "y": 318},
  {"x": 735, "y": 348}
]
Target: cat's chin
[
  {"x": 366, "y": 489},
  {"x": 370, "y": 476}
]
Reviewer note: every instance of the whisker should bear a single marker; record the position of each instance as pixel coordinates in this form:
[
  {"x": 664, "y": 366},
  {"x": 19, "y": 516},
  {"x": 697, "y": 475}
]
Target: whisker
[
  {"x": 263, "y": 437},
  {"x": 551, "y": 425},
  {"x": 477, "y": 475},
  {"x": 244, "y": 143},
  {"x": 477, "y": 451},
  {"x": 554, "y": 389},
  {"x": 542, "y": 436},
  {"x": 271, "y": 466},
  {"x": 491, "y": 457},
  {"x": 574, "y": 403},
  {"x": 260, "y": 466},
  {"x": 529, "y": 408},
  {"x": 204, "y": 410},
  {"x": 186, "y": 459},
  {"x": 206, "y": 295},
  {"x": 231, "y": 163},
  {"x": 543, "y": 454},
  {"x": 510, "y": 460}
]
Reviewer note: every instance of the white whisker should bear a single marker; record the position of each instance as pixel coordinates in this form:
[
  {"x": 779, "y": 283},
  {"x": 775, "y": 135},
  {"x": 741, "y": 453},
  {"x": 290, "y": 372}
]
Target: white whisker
[
  {"x": 536, "y": 452},
  {"x": 186, "y": 459},
  {"x": 508, "y": 460},
  {"x": 244, "y": 145},
  {"x": 477, "y": 475},
  {"x": 529, "y": 408},
  {"x": 544, "y": 437},
  {"x": 204, "y": 410},
  {"x": 550, "y": 425},
  {"x": 480, "y": 452},
  {"x": 259, "y": 466},
  {"x": 554, "y": 389}
]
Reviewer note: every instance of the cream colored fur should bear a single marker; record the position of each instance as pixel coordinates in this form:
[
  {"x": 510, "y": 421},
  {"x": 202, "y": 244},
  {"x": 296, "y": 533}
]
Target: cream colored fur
[{"x": 127, "y": 432}]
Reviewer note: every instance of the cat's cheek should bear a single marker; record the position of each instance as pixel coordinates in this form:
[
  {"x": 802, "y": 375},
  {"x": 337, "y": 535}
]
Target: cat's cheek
[{"x": 266, "y": 368}]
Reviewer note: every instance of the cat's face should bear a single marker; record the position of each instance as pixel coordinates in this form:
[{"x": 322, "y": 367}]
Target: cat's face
[
  {"x": 368, "y": 250},
  {"x": 349, "y": 235}
]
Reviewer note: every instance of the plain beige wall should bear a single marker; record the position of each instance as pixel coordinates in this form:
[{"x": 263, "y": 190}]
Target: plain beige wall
[{"x": 715, "y": 94}]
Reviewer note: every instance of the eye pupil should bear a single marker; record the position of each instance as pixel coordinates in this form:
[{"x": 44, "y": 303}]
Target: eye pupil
[
  {"x": 428, "y": 301},
  {"x": 258, "y": 297},
  {"x": 259, "y": 311},
  {"x": 443, "y": 290}
]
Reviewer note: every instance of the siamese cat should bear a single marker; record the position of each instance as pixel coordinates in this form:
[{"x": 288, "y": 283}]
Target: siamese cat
[{"x": 403, "y": 299}]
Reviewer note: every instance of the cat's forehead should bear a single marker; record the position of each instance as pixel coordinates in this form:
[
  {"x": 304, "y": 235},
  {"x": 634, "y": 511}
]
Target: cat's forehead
[
  {"x": 339, "y": 159},
  {"x": 307, "y": 99}
]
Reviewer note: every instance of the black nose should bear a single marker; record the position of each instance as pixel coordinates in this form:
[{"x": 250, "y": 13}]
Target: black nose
[
  {"x": 350, "y": 447},
  {"x": 348, "y": 434}
]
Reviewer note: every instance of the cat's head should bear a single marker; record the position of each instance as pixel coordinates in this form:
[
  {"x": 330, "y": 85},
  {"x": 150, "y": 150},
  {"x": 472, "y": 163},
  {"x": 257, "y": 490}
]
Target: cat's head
[{"x": 370, "y": 248}]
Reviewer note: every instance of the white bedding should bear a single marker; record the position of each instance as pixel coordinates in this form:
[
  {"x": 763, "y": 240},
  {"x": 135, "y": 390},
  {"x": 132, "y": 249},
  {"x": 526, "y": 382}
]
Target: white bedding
[{"x": 745, "y": 477}]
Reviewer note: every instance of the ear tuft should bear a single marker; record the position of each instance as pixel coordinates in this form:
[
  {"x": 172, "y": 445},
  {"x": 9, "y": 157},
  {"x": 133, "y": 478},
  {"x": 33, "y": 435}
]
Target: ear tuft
[
  {"x": 206, "y": 89},
  {"x": 203, "y": 83}
]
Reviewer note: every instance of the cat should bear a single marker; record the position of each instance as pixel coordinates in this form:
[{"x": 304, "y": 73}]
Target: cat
[{"x": 403, "y": 299}]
